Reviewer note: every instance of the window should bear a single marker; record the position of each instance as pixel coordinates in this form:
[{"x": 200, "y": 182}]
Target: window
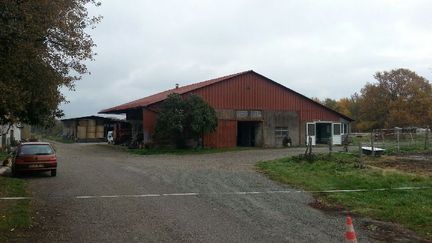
[
  {"x": 37, "y": 149},
  {"x": 345, "y": 128},
  {"x": 336, "y": 129},
  {"x": 281, "y": 131}
]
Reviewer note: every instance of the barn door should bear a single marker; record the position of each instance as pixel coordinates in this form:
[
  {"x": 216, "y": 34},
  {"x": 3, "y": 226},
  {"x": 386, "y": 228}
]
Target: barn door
[
  {"x": 310, "y": 132},
  {"x": 337, "y": 137}
]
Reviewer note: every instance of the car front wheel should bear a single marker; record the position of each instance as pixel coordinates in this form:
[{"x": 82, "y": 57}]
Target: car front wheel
[{"x": 53, "y": 172}]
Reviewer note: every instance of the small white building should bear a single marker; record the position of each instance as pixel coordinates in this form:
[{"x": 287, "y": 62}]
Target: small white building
[{"x": 7, "y": 136}]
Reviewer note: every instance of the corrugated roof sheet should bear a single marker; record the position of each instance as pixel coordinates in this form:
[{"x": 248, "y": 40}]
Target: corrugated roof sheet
[{"x": 152, "y": 99}]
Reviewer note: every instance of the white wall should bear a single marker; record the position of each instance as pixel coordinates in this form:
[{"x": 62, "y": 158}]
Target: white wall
[{"x": 16, "y": 134}]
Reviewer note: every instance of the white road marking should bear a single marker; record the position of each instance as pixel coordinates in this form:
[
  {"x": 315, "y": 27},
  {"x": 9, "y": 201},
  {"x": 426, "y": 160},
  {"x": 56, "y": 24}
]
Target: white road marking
[
  {"x": 232, "y": 193},
  {"x": 145, "y": 195},
  {"x": 182, "y": 194},
  {"x": 84, "y": 197},
  {"x": 15, "y": 198}
]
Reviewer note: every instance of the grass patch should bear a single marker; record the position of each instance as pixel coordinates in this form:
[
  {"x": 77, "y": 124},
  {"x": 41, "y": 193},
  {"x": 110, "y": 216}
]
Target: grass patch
[
  {"x": 183, "y": 151},
  {"x": 14, "y": 214},
  {"x": 411, "y": 209},
  {"x": 408, "y": 149}
]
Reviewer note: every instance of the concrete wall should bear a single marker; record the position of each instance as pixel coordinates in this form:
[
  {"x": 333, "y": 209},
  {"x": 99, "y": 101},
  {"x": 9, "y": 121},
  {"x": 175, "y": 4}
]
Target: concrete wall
[
  {"x": 281, "y": 119},
  {"x": 268, "y": 121}
]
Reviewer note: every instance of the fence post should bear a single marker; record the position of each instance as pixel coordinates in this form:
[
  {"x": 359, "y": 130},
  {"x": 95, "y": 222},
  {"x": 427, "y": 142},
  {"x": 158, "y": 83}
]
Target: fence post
[
  {"x": 412, "y": 139},
  {"x": 360, "y": 165},
  {"x": 372, "y": 142},
  {"x": 426, "y": 144},
  {"x": 397, "y": 137},
  {"x": 346, "y": 142},
  {"x": 330, "y": 143},
  {"x": 310, "y": 146}
]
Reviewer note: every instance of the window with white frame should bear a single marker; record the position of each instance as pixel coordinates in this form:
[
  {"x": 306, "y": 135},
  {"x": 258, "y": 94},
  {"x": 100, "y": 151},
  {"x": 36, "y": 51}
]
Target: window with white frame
[{"x": 345, "y": 128}]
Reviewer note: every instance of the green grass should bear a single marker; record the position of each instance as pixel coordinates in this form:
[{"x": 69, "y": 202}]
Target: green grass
[
  {"x": 411, "y": 209},
  {"x": 14, "y": 214},
  {"x": 408, "y": 149},
  {"x": 183, "y": 151}
]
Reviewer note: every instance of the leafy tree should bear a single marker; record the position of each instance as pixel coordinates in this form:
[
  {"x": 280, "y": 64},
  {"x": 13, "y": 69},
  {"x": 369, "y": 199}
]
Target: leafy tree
[
  {"x": 330, "y": 103},
  {"x": 201, "y": 117},
  {"x": 181, "y": 119},
  {"x": 170, "y": 123},
  {"x": 400, "y": 98},
  {"x": 43, "y": 46}
]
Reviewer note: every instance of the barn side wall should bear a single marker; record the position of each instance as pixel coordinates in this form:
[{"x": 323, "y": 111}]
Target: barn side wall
[
  {"x": 267, "y": 123},
  {"x": 280, "y": 106},
  {"x": 225, "y": 135},
  {"x": 253, "y": 92}
]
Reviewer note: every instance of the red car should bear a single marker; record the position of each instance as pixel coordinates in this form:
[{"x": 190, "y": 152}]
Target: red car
[{"x": 34, "y": 156}]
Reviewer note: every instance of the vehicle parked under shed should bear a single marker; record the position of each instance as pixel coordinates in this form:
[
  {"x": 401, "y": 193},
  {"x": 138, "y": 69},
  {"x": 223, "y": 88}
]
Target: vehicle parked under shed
[{"x": 252, "y": 110}]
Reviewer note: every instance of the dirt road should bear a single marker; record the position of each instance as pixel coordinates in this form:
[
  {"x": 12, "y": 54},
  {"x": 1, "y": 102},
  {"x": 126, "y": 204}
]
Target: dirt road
[{"x": 105, "y": 195}]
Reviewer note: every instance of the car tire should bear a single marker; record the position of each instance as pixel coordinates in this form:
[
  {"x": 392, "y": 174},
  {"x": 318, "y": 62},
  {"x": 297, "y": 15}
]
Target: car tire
[{"x": 53, "y": 173}]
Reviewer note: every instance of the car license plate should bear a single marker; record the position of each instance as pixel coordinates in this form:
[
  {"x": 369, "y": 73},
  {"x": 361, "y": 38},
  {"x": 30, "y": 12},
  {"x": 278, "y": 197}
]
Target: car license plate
[{"x": 36, "y": 166}]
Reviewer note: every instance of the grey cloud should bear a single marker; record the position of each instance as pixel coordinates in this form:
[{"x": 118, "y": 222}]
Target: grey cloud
[{"x": 318, "y": 48}]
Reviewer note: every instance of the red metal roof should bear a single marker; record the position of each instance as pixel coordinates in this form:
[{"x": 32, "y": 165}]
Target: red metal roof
[
  {"x": 149, "y": 100},
  {"x": 152, "y": 99}
]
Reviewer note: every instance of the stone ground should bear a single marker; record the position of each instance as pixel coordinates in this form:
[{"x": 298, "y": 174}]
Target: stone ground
[{"x": 105, "y": 195}]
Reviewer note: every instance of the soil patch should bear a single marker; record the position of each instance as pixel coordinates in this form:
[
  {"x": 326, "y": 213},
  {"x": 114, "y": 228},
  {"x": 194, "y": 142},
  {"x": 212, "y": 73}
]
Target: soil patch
[{"x": 413, "y": 163}]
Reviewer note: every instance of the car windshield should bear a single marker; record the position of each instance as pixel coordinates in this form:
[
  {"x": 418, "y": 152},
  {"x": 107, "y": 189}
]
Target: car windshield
[{"x": 36, "y": 149}]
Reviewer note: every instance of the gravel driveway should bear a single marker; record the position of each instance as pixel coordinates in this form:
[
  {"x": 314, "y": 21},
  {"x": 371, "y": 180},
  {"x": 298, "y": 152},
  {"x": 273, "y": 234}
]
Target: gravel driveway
[{"x": 106, "y": 195}]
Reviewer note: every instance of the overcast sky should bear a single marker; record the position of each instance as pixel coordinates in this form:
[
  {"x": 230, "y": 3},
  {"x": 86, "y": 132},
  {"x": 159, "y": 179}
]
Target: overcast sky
[{"x": 318, "y": 48}]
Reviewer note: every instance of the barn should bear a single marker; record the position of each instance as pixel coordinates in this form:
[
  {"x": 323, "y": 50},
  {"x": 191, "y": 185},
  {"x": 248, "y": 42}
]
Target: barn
[{"x": 252, "y": 110}]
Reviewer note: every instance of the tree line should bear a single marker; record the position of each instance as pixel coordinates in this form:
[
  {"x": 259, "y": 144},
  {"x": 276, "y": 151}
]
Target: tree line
[{"x": 398, "y": 98}]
